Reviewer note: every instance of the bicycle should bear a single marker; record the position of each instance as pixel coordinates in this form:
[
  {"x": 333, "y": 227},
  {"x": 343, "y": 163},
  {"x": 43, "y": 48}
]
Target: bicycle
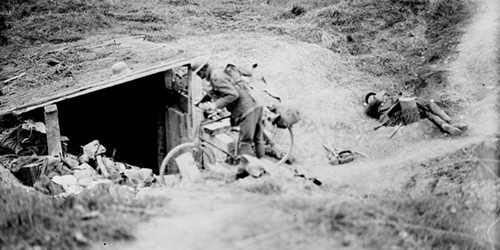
[{"x": 203, "y": 150}]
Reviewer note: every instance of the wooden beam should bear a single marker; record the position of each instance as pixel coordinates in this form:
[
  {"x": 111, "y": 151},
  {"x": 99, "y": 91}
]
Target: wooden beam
[
  {"x": 175, "y": 121},
  {"x": 53, "y": 132},
  {"x": 95, "y": 87},
  {"x": 190, "y": 105},
  {"x": 14, "y": 78},
  {"x": 161, "y": 137},
  {"x": 169, "y": 75}
]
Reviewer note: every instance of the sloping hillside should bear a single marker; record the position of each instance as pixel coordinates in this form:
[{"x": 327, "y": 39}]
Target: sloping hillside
[{"x": 420, "y": 189}]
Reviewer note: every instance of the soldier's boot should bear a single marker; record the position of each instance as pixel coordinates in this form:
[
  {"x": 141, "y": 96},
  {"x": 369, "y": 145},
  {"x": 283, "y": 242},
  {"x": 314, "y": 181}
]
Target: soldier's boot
[
  {"x": 438, "y": 111},
  {"x": 452, "y": 130},
  {"x": 443, "y": 125}
]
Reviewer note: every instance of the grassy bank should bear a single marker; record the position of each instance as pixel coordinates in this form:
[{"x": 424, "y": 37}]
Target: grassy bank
[
  {"x": 398, "y": 39},
  {"x": 106, "y": 213}
]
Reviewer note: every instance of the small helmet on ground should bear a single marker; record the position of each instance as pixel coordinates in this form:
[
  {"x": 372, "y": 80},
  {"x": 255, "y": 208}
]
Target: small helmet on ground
[
  {"x": 120, "y": 68},
  {"x": 367, "y": 96},
  {"x": 198, "y": 62}
]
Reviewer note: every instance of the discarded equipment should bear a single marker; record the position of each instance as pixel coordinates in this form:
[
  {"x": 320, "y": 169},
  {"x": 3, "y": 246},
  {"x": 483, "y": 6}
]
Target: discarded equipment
[{"x": 337, "y": 157}]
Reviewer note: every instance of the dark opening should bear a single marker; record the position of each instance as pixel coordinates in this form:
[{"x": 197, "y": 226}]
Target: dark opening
[
  {"x": 128, "y": 119},
  {"x": 125, "y": 119}
]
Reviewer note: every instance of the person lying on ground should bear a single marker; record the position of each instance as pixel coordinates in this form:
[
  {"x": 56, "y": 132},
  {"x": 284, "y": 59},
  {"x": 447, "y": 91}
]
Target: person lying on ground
[{"x": 396, "y": 109}]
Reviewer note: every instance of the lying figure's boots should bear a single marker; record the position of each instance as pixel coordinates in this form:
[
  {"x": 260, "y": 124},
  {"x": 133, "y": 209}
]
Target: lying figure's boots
[{"x": 451, "y": 129}]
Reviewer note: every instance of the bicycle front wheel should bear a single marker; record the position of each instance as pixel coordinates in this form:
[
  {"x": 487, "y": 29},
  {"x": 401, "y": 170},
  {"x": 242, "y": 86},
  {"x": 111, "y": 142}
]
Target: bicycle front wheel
[{"x": 201, "y": 154}]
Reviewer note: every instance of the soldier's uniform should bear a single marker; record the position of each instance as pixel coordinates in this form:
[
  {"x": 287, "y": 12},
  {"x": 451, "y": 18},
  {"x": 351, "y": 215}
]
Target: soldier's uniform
[
  {"x": 245, "y": 112},
  {"x": 384, "y": 107}
]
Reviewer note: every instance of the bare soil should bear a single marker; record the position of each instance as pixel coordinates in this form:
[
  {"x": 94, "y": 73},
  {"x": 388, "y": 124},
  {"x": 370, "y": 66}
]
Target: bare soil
[
  {"x": 328, "y": 90},
  {"x": 420, "y": 189}
]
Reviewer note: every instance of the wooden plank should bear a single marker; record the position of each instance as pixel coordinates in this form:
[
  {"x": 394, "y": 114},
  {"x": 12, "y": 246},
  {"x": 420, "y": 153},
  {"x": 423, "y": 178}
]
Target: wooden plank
[
  {"x": 217, "y": 127},
  {"x": 176, "y": 128},
  {"x": 97, "y": 86},
  {"x": 184, "y": 103},
  {"x": 175, "y": 132},
  {"x": 169, "y": 75},
  {"x": 196, "y": 91},
  {"x": 161, "y": 137},
  {"x": 14, "y": 78},
  {"x": 223, "y": 142},
  {"x": 190, "y": 104},
  {"x": 53, "y": 132}
]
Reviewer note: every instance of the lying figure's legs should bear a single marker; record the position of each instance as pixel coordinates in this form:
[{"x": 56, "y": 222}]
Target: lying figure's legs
[
  {"x": 438, "y": 111},
  {"x": 452, "y": 130}
]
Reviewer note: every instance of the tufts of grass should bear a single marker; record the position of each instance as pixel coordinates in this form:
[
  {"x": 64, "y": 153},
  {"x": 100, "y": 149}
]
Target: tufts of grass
[
  {"x": 265, "y": 186},
  {"x": 395, "y": 223},
  {"x": 390, "y": 38},
  {"x": 43, "y": 68},
  {"x": 54, "y": 21},
  {"x": 445, "y": 20},
  {"x": 31, "y": 219},
  {"x": 323, "y": 37},
  {"x": 395, "y": 39}
]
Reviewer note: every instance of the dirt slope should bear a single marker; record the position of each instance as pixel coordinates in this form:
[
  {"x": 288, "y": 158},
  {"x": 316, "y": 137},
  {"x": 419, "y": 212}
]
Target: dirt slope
[{"x": 327, "y": 90}]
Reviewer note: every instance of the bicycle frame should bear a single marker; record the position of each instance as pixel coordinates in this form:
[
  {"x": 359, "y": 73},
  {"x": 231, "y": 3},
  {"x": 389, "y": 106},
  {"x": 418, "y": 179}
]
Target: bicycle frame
[{"x": 201, "y": 141}]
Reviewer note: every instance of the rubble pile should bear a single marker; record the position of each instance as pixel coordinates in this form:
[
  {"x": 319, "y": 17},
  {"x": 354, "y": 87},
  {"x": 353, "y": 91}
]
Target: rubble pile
[{"x": 23, "y": 151}]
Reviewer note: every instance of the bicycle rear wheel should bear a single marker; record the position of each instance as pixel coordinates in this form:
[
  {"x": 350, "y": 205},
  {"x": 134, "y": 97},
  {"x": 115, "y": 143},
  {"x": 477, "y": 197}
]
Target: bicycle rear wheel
[
  {"x": 279, "y": 142},
  {"x": 201, "y": 154}
]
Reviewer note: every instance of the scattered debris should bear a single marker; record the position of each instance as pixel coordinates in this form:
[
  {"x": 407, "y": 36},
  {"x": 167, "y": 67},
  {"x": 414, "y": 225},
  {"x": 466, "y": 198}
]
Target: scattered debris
[
  {"x": 252, "y": 166},
  {"x": 14, "y": 78},
  {"x": 395, "y": 130},
  {"x": 337, "y": 157},
  {"x": 24, "y": 153}
]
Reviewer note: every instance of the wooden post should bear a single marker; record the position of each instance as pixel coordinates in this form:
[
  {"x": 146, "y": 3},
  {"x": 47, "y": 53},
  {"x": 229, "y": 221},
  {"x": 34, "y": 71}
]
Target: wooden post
[
  {"x": 161, "y": 138},
  {"x": 52, "y": 127},
  {"x": 169, "y": 74},
  {"x": 190, "y": 121}
]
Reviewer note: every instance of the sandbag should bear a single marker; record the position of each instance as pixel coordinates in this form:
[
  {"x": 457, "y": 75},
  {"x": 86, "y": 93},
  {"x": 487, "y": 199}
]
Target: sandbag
[{"x": 287, "y": 115}]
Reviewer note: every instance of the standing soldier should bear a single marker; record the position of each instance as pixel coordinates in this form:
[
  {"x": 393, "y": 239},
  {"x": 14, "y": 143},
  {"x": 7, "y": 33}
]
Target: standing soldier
[{"x": 225, "y": 92}]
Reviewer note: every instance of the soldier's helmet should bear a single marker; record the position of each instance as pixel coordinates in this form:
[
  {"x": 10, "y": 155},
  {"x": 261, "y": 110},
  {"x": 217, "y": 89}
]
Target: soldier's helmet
[
  {"x": 367, "y": 96},
  {"x": 198, "y": 62},
  {"x": 120, "y": 68}
]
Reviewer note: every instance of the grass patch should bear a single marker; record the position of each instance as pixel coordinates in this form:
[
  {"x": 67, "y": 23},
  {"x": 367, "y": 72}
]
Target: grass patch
[
  {"x": 31, "y": 219},
  {"x": 445, "y": 206},
  {"x": 396, "y": 223},
  {"x": 391, "y": 38},
  {"x": 266, "y": 186},
  {"x": 45, "y": 68},
  {"x": 53, "y": 21},
  {"x": 445, "y": 21}
]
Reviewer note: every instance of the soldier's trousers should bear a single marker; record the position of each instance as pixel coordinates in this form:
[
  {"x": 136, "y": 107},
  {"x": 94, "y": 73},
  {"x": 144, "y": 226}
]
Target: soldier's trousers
[{"x": 251, "y": 133}]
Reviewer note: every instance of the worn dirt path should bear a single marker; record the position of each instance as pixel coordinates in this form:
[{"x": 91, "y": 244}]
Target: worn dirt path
[{"x": 328, "y": 91}]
